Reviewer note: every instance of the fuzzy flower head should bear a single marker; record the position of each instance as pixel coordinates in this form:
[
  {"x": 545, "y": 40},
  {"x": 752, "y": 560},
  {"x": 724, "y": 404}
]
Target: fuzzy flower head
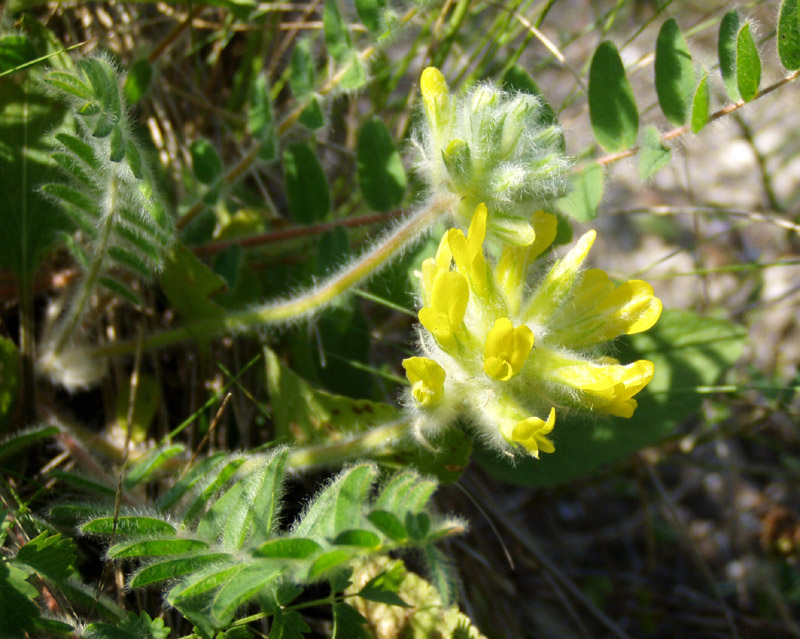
[
  {"x": 512, "y": 344},
  {"x": 494, "y": 147}
]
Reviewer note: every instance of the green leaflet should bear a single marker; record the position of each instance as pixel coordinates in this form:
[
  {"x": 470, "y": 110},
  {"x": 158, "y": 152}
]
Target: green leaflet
[
  {"x": 388, "y": 524},
  {"x": 188, "y": 285},
  {"x": 357, "y": 537},
  {"x": 789, "y": 34},
  {"x": 371, "y": 13},
  {"x": 327, "y": 562},
  {"x": 380, "y": 170},
  {"x": 612, "y": 107},
  {"x": 348, "y": 623},
  {"x": 307, "y": 415},
  {"x": 585, "y": 193},
  {"x": 306, "y": 185},
  {"x": 340, "y": 47},
  {"x": 726, "y": 47},
  {"x": 700, "y": 105},
  {"x": 137, "y": 81},
  {"x": 197, "y": 474},
  {"x": 261, "y": 119},
  {"x": 289, "y": 548},
  {"x": 173, "y": 568},
  {"x": 17, "y": 608},
  {"x": 674, "y": 73},
  {"x": 51, "y": 556},
  {"x": 288, "y": 625},
  {"x": 339, "y": 505},
  {"x": 247, "y": 582},
  {"x": 206, "y": 163},
  {"x": 653, "y": 154},
  {"x": 132, "y": 627},
  {"x": 748, "y": 64},
  {"x": 129, "y": 525},
  {"x": 248, "y": 508},
  {"x": 156, "y": 548},
  {"x": 152, "y": 461},
  {"x": 28, "y": 116},
  {"x": 21, "y": 440}
]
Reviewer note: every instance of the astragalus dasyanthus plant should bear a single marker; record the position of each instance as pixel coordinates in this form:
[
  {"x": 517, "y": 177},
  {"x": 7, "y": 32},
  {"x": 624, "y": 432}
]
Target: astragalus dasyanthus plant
[{"x": 506, "y": 341}]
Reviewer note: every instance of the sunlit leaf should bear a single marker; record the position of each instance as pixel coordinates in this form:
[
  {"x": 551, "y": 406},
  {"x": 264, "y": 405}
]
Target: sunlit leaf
[
  {"x": 748, "y": 64},
  {"x": 789, "y": 34},
  {"x": 700, "y": 105},
  {"x": 653, "y": 154},
  {"x": 674, "y": 73},
  {"x": 612, "y": 107},
  {"x": 728, "y": 32}
]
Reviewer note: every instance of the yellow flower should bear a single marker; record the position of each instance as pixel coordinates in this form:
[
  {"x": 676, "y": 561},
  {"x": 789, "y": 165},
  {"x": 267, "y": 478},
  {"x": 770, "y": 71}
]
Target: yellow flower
[
  {"x": 506, "y": 349},
  {"x": 436, "y": 100},
  {"x": 607, "y": 387},
  {"x": 532, "y": 434},
  {"x": 427, "y": 380},
  {"x": 468, "y": 251},
  {"x": 512, "y": 268},
  {"x": 558, "y": 283},
  {"x": 599, "y": 312},
  {"x": 448, "y": 303}
]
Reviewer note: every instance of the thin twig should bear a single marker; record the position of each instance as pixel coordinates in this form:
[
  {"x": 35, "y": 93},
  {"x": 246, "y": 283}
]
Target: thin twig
[{"x": 682, "y": 130}]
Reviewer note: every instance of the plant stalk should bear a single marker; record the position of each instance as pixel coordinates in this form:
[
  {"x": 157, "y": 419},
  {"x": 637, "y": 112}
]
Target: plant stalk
[
  {"x": 79, "y": 303},
  {"x": 306, "y": 303}
]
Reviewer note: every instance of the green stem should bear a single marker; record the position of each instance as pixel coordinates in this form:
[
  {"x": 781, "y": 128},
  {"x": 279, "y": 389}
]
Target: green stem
[
  {"x": 305, "y": 304},
  {"x": 81, "y": 301},
  {"x": 375, "y": 441}
]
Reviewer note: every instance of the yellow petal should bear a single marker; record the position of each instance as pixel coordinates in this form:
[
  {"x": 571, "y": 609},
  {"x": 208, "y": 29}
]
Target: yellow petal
[
  {"x": 531, "y": 433},
  {"x": 506, "y": 349},
  {"x": 427, "y": 379},
  {"x": 436, "y": 100}
]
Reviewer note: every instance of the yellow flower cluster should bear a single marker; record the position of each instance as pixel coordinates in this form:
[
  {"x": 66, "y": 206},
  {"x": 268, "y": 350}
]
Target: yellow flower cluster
[{"x": 509, "y": 348}]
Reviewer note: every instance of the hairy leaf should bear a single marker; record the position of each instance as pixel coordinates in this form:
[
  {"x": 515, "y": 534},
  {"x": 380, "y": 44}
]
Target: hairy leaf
[
  {"x": 726, "y": 47},
  {"x": 173, "y": 568},
  {"x": 653, "y": 154},
  {"x": 748, "y": 64},
  {"x": 144, "y": 468},
  {"x": 585, "y": 193},
  {"x": 129, "y": 525},
  {"x": 156, "y": 548}
]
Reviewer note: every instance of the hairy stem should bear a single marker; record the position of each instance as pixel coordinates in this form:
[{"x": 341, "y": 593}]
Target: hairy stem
[
  {"x": 304, "y": 304},
  {"x": 368, "y": 444},
  {"x": 81, "y": 301}
]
